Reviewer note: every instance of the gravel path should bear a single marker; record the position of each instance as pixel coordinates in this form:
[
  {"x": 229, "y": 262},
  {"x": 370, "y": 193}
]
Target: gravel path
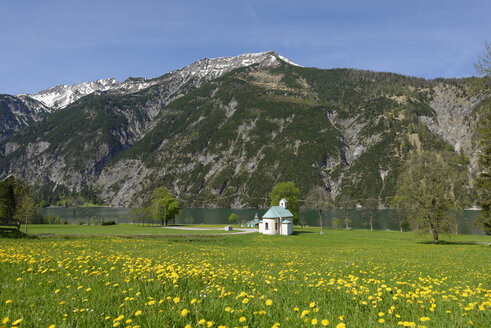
[{"x": 235, "y": 231}]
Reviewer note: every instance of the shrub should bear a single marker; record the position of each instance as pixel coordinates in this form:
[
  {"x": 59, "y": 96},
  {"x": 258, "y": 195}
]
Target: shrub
[{"x": 110, "y": 222}]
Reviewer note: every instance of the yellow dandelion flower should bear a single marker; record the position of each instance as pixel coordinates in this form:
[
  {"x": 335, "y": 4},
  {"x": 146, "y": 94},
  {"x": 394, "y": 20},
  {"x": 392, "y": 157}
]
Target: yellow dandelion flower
[
  {"x": 381, "y": 314},
  {"x": 115, "y": 324},
  {"x": 16, "y": 322},
  {"x": 313, "y": 322},
  {"x": 424, "y": 319},
  {"x": 184, "y": 312},
  {"x": 242, "y": 319},
  {"x": 193, "y": 301},
  {"x": 269, "y": 302},
  {"x": 341, "y": 325},
  {"x": 8, "y": 301},
  {"x": 128, "y": 321},
  {"x": 176, "y": 300},
  {"x": 5, "y": 320},
  {"x": 137, "y": 313},
  {"x": 325, "y": 322},
  {"x": 296, "y": 309},
  {"x": 51, "y": 326},
  {"x": 341, "y": 317},
  {"x": 245, "y": 300},
  {"x": 312, "y": 304},
  {"x": 188, "y": 326},
  {"x": 381, "y": 320}
]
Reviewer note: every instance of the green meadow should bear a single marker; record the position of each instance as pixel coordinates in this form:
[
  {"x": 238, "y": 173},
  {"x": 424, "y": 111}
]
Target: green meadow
[{"x": 73, "y": 276}]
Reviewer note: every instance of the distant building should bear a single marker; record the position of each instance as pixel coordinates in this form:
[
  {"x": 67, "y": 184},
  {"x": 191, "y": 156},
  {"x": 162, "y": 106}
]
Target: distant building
[
  {"x": 278, "y": 220},
  {"x": 253, "y": 223}
]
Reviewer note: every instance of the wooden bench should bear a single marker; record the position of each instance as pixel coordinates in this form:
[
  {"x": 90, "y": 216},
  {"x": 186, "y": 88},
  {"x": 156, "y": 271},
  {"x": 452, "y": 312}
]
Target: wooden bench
[{"x": 9, "y": 223}]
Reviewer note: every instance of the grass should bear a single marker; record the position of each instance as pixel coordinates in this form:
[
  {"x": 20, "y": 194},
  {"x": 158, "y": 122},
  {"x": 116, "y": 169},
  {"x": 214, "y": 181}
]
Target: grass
[
  {"x": 356, "y": 278},
  {"x": 118, "y": 229}
]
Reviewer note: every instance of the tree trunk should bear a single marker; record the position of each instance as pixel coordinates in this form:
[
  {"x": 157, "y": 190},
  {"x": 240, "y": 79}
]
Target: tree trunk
[
  {"x": 435, "y": 237},
  {"x": 400, "y": 226},
  {"x": 26, "y": 224},
  {"x": 371, "y": 224},
  {"x": 320, "y": 218}
]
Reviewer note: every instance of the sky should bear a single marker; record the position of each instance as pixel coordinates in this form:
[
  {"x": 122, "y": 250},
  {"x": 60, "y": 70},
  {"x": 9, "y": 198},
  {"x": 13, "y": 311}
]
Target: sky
[{"x": 52, "y": 42}]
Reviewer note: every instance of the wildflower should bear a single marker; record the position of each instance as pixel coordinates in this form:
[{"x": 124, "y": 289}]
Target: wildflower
[
  {"x": 176, "y": 300},
  {"x": 381, "y": 314},
  {"x": 242, "y": 319},
  {"x": 16, "y": 322},
  {"x": 381, "y": 320},
  {"x": 201, "y": 322},
  {"x": 325, "y": 322},
  {"x": 137, "y": 313},
  {"x": 245, "y": 300},
  {"x": 424, "y": 319},
  {"x": 115, "y": 324},
  {"x": 269, "y": 302},
  {"x": 314, "y": 321},
  {"x": 341, "y": 317},
  {"x": 5, "y": 320},
  {"x": 312, "y": 304},
  {"x": 341, "y": 325},
  {"x": 188, "y": 326},
  {"x": 8, "y": 301},
  {"x": 184, "y": 312},
  {"x": 193, "y": 301},
  {"x": 52, "y": 326}
]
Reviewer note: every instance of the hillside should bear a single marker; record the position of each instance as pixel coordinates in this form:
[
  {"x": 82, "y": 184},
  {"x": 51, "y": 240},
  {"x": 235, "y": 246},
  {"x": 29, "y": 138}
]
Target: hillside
[{"x": 225, "y": 138}]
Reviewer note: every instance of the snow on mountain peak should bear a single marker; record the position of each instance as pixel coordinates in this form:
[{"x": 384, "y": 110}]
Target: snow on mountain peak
[{"x": 203, "y": 70}]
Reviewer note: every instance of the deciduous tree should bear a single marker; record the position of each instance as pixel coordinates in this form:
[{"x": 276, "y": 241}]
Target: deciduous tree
[
  {"x": 290, "y": 192},
  {"x": 430, "y": 188},
  {"x": 164, "y": 207},
  {"x": 319, "y": 199},
  {"x": 483, "y": 180}
]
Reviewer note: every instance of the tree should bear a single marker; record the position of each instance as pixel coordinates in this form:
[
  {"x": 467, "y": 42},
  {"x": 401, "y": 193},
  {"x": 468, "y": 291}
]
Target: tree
[
  {"x": 164, "y": 207},
  {"x": 138, "y": 215},
  {"x": 290, "y": 192},
  {"x": 370, "y": 205},
  {"x": 399, "y": 214},
  {"x": 483, "y": 69},
  {"x": 483, "y": 181},
  {"x": 16, "y": 201},
  {"x": 26, "y": 210},
  {"x": 319, "y": 199},
  {"x": 233, "y": 217},
  {"x": 429, "y": 189},
  {"x": 346, "y": 203}
]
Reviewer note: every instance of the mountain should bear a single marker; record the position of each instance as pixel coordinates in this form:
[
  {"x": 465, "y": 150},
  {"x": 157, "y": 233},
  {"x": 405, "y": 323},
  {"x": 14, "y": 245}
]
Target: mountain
[
  {"x": 223, "y": 131},
  {"x": 19, "y": 112},
  {"x": 203, "y": 70}
]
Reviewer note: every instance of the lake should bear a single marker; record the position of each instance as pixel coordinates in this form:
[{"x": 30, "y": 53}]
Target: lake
[{"x": 384, "y": 218}]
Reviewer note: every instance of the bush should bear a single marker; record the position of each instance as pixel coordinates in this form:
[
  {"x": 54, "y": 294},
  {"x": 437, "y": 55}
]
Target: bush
[{"x": 110, "y": 222}]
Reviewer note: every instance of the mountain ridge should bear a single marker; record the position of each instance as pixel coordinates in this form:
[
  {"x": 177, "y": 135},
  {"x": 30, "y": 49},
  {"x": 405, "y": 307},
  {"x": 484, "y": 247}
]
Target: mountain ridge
[{"x": 224, "y": 135}]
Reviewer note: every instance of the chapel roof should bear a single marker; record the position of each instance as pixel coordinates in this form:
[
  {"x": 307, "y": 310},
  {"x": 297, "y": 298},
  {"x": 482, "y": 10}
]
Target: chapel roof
[{"x": 277, "y": 212}]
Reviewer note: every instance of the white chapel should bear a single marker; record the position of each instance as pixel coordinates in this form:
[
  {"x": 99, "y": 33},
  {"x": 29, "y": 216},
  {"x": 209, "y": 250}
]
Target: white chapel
[{"x": 278, "y": 220}]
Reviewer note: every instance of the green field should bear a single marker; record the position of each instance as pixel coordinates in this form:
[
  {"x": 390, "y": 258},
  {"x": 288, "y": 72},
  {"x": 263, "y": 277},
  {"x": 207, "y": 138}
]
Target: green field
[{"x": 355, "y": 278}]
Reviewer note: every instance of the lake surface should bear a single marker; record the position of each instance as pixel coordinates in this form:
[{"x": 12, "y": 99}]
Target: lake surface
[{"x": 384, "y": 219}]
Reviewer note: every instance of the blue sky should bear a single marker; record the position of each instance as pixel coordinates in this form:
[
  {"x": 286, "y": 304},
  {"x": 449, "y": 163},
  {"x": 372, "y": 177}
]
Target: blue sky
[{"x": 51, "y": 42}]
